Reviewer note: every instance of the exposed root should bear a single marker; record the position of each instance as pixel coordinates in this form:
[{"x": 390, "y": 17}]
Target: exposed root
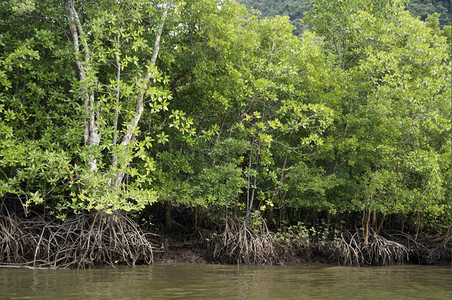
[
  {"x": 80, "y": 242},
  {"x": 239, "y": 244},
  {"x": 99, "y": 239},
  {"x": 425, "y": 250},
  {"x": 351, "y": 249},
  {"x": 348, "y": 250}
]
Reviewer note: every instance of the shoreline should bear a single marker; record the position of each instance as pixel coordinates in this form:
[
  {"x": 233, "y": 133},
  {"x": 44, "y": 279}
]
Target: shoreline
[{"x": 87, "y": 241}]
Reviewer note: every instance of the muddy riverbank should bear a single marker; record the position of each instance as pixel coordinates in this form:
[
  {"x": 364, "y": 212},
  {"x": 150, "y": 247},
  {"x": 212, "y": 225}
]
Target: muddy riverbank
[{"x": 84, "y": 241}]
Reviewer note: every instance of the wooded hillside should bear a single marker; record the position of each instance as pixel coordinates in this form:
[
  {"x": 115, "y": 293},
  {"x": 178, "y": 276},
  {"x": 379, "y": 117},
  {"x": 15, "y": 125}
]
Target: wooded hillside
[{"x": 296, "y": 10}]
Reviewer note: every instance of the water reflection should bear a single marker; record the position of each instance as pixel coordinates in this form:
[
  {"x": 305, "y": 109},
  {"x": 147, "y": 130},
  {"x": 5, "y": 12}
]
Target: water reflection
[{"x": 186, "y": 281}]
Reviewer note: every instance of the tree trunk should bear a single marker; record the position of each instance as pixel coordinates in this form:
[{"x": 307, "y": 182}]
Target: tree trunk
[
  {"x": 168, "y": 218},
  {"x": 82, "y": 61},
  {"x": 418, "y": 225},
  {"x": 195, "y": 225},
  {"x": 374, "y": 219},
  {"x": 270, "y": 215},
  {"x": 282, "y": 213},
  {"x": 381, "y": 224},
  {"x": 139, "y": 108},
  {"x": 277, "y": 192},
  {"x": 116, "y": 118},
  {"x": 366, "y": 220},
  {"x": 402, "y": 222},
  {"x": 248, "y": 193}
]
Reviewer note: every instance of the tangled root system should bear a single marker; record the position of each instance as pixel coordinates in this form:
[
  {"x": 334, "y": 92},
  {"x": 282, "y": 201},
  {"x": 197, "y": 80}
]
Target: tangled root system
[
  {"x": 426, "y": 250},
  {"x": 78, "y": 242},
  {"x": 240, "y": 244},
  {"x": 351, "y": 249},
  {"x": 88, "y": 240}
]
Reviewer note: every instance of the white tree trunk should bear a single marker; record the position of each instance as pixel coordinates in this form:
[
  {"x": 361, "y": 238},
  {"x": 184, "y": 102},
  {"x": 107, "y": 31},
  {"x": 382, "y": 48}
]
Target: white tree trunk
[
  {"x": 82, "y": 60},
  {"x": 132, "y": 126}
]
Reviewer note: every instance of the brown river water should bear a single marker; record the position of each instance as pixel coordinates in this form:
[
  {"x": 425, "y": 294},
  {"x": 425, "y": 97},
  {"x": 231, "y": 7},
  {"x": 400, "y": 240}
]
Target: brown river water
[{"x": 192, "y": 281}]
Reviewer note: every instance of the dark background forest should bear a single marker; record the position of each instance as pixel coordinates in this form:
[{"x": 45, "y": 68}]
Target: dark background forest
[{"x": 296, "y": 9}]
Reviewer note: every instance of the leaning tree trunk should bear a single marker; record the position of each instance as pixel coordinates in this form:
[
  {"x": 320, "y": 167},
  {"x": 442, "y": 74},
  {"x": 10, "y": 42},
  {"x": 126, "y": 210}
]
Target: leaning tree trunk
[
  {"x": 139, "y": 108},
  {"x": 82, "y": 61}
]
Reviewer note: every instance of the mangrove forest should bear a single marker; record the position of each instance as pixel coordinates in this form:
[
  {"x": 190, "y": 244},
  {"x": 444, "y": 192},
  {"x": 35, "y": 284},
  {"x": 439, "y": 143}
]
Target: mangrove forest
[{"x": 143, "y": 131}]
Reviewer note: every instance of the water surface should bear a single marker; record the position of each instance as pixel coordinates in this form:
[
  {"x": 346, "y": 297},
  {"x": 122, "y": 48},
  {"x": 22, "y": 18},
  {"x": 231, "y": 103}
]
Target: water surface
[{"x": 191, "y": 281}]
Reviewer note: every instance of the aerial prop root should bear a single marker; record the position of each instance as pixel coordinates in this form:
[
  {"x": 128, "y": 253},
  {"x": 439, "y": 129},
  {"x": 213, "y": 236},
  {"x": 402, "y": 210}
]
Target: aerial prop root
[
  {"x": 240, "y": 244},
  {"x": 80, "y": 241},
  {"x": 351, "y": 249}
]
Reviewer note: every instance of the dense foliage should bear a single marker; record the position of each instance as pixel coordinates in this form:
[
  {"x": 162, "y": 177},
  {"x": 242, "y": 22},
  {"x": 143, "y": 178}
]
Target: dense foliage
[{"x": 200, "y": 105}]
